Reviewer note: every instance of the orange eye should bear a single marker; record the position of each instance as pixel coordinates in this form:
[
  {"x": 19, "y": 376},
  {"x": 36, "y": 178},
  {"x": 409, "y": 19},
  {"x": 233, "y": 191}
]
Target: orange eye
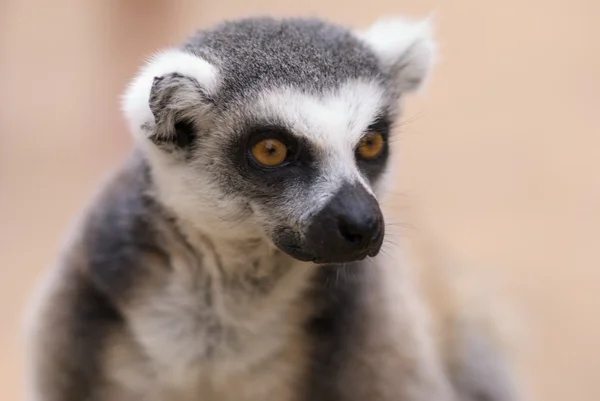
[
  {"x": 370, "y": 146},
  {"x": 269, "y": 152}
]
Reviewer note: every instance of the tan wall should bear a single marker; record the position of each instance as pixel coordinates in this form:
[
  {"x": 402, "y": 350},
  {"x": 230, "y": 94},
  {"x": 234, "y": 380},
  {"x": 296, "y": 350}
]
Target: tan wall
[{"x": 501, "y": 149}]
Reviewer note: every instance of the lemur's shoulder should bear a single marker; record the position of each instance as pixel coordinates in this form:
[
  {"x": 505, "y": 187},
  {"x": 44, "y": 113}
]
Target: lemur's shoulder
[
  {"x": 69, "y": 324},
  {"x": 122, "y": 229},
  {"x": 78, "y": 323},
  {"x": 92, "y": 261}
]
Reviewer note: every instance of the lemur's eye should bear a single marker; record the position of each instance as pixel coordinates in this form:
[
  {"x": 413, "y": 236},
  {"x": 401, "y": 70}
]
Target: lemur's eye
[
  {"x": 370, "y": 146},
  {"x": 269, "y": 152}
]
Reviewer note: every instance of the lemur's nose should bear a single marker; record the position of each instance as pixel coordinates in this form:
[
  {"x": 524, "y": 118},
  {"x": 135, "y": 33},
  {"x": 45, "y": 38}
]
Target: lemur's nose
[
  {"x": 359, "y": 231},
  {"x": 348, "y": 228}
]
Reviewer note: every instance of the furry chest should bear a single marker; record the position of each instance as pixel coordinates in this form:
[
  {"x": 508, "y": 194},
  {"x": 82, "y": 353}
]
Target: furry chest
[
  {"x": 196, "y": 349},
  {"x": 256, "y": 368}
]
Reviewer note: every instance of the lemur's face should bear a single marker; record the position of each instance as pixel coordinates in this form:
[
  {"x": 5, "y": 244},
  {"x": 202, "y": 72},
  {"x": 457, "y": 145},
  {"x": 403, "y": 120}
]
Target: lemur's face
[{"x": 280, "y": 128}]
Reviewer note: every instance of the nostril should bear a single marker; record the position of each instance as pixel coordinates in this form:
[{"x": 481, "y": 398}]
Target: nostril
[{"x": 350, "y": 233}]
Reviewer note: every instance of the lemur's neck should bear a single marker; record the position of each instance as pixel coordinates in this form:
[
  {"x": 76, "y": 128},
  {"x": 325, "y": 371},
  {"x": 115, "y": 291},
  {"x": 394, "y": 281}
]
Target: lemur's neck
[
  {"x": 253, "y": 281},
  {"x": 249, "y": 265}
]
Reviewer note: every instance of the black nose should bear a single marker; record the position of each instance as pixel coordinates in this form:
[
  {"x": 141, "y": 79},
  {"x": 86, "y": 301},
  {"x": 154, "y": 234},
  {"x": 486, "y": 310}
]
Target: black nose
[
  {"x": 348, "y": 228},
  {"x": 359, "y": 231}
]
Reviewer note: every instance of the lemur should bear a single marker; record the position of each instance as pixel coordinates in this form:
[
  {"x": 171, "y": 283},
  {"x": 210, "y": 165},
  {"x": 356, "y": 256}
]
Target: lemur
[{"x": 235, "y": 255}]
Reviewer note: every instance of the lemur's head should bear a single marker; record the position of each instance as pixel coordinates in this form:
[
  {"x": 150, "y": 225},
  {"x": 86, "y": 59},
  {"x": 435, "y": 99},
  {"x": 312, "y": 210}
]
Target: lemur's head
[{"x": 280, "y": 128}]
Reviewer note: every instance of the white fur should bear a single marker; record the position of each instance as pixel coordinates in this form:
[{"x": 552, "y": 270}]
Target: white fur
[
  {"x": 135, "y": 102},
  {"x": 333, "y": 122},
  {"x": 337, "y": 118},
  {"x": 405, "y": 47}
]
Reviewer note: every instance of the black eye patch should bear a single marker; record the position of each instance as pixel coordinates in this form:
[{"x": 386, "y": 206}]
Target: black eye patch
[
  {"x": 372, "y": 169},
  {"x": 299, "y": 167},
  {"x": 299, "y": 150},
  {"x": 381, "y": 124}
]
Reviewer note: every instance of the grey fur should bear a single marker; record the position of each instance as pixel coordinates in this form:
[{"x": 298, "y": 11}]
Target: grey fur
[
  {"x": 308, "y": 54},
  {"x": 189, "y": 278}
]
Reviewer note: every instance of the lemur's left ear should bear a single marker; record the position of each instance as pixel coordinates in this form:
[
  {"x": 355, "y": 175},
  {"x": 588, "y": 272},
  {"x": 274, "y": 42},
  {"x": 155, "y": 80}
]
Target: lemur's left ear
[
  {"x": 170, "y": 97},
  {"x": 405, "y": 49}
]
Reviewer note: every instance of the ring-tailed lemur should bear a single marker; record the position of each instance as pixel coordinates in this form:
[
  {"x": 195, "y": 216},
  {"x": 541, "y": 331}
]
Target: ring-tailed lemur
[{"x": 235, "y": 255}]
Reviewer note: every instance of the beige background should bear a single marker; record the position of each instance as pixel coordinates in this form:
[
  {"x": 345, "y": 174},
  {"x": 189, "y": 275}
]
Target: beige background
[{"x": 501, "y": 148}]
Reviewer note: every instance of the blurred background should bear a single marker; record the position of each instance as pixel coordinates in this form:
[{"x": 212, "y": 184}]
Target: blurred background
[{"x": 501, "y": 148}]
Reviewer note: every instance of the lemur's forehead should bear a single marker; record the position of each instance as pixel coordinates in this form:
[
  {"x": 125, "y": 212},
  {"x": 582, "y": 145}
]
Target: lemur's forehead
[
  {"x": 307, "y": 54},
  {"x": 334, "y": 119}
]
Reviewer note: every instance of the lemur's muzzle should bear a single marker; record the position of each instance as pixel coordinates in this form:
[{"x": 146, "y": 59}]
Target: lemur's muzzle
[{"x": 348, "y": 228}]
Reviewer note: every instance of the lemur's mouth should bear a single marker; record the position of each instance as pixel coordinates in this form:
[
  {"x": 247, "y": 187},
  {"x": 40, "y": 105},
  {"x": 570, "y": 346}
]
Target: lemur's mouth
[{"x": 299, "y": 253}]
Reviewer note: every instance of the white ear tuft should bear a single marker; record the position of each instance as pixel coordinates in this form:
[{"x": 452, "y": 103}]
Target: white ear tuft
[
  {"x": 405, "y": 48},
  {"x": 136, "y": 99}
]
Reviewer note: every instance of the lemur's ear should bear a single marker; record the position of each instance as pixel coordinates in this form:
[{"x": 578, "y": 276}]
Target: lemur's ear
[
  {"x": 170, "y": 97},
  {"x": 405, "y": 49}
]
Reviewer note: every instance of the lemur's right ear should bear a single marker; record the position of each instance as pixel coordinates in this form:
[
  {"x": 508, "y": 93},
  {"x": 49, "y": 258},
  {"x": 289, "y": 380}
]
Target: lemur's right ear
[
  {"x": 170, "y": 97},
  {"x": 405, "y": 49}
]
